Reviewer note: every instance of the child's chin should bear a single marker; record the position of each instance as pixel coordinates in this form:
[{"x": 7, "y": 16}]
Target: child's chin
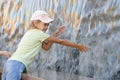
[{"x": 45, "y": 30}]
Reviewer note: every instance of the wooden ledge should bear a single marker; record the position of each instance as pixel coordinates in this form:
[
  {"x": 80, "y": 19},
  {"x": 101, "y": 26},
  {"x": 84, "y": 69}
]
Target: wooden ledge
[
  {"x": 30, "y": 77},
  {"x": 24, "y": 76}
]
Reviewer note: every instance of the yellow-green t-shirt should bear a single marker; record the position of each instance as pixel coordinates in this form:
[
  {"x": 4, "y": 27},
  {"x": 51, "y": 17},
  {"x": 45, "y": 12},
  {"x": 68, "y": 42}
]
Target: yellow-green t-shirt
[{"x": 29, "y": 46}]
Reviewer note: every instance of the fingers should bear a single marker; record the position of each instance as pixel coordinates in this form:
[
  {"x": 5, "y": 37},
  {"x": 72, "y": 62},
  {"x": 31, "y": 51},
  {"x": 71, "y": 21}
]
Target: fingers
[
  {"x": 84, "y": 49},
  {"x": 8, "y": 55},
  {"x": 5, "y": 53},
  {"x": 61, "y": 28}
]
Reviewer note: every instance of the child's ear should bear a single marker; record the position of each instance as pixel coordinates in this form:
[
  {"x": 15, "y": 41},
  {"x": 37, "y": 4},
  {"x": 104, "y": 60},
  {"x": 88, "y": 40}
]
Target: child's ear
[{"x": 35, "y": 23}]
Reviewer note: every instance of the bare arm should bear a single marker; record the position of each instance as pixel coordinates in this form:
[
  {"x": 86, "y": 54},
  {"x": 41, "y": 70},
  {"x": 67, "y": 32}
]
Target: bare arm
[
  {"x": 46, "y": 45},
  {"x": 67, "y": 43},
  {"x": 5, "y": 53}
]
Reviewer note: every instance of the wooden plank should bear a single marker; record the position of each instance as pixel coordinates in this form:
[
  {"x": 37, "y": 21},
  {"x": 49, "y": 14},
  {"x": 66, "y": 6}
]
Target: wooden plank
[
  {"x": 24, "y": 76},
  {"x": 30, "y": 77},
  {"x": 0, "y": 72},
  {"x": 53, "y": 75}
]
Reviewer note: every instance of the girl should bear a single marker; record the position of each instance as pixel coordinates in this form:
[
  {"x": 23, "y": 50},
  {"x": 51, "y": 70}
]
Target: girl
[{"x": 30, "y": 45}]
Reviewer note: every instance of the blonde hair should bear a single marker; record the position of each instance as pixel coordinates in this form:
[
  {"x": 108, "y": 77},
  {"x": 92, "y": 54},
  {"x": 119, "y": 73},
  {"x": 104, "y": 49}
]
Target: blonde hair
[{"x": 31, "y": 25}]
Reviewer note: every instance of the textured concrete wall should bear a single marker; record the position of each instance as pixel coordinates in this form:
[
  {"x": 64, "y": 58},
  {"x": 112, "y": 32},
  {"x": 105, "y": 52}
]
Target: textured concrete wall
[{"x": 91, "y": 22}]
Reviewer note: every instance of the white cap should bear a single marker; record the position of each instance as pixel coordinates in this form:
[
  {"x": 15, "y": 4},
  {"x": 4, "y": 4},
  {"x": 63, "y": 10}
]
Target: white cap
[{"x": 42, "y": 16}]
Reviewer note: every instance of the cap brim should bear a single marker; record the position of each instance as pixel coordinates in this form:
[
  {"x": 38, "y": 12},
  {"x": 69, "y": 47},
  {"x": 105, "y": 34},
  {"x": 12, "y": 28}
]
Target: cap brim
[{"x": 47, "y": 20}]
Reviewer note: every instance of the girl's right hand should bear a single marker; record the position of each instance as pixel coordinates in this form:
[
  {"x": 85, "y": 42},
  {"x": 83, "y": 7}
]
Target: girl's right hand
[{"x": 82, "y": 48}]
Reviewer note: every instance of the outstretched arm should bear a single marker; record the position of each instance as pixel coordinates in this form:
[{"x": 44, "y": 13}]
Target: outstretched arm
[
  {"x": 67, "y": 43},
  {"x": 5, "y": 53}
]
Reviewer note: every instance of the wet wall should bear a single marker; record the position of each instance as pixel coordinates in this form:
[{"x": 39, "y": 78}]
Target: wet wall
[{"x": 95, "y": 23}]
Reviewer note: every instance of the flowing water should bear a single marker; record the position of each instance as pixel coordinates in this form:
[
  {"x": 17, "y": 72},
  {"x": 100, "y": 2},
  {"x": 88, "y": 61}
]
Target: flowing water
[{"x": 95, "y": 23}]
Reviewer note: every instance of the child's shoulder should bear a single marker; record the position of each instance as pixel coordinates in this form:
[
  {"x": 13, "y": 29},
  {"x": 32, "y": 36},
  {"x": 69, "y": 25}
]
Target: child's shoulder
[{"x": 34, "y": 31}]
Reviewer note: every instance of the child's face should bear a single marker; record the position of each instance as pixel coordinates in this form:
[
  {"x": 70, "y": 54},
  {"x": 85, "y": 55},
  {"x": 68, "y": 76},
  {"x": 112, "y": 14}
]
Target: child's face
[{"x": 40, "y": 25}]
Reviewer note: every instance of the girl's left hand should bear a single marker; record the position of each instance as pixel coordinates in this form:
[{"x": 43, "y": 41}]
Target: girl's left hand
[{"x": 59, "y": 30}]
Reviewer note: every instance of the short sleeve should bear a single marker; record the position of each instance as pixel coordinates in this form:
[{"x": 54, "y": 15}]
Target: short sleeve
[{"x": 44, "y": 36}]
